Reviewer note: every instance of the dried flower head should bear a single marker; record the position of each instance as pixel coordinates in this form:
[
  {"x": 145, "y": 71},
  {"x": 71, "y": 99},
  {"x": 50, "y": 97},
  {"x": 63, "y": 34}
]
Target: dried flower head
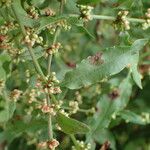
[
  {"x": 15, "y": 94},
  {"x": 52, "y": 144}
]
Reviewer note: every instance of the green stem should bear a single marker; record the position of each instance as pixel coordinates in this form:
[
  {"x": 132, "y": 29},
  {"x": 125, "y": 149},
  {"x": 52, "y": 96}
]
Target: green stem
[
  {"x": 55, "y": 39},
  {"x": 50, "y": 129},
  {"x": 103, "y": 17},
  {"x": 79, "y": 110},
  {"x": 35, "y": 62},
  {"x": 51, "y": 56},
  {"x": 75, "y": 142}
]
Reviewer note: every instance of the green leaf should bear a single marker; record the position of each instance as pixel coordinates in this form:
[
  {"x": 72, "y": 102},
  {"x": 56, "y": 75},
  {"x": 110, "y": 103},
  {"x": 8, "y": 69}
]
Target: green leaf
[
  {"x": 15, "y": 130},
  {"x": 71, "y": 126},
  {"x": 104, "y": 135},
  {"x": 3, "y": 59},
  {"x": 8, "y": 111},
  {"x": 89, "y": 72},
  {"x": 107, "y": 107},
  {"x": 23, "y": 16},
  {"x": 88, "y": 1},
  {"x": 37, "y": 3},
  {"x": 132, "y": 117},
  {"x": 136, "y": 75}
]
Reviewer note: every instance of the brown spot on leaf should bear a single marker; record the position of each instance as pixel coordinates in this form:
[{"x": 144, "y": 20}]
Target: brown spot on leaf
[
  {"x": 96, "y": 59},
  {"x": 71, "y": 64},
  {"x": 105, "y": 146},
  {"x": 114, "y": 94}
]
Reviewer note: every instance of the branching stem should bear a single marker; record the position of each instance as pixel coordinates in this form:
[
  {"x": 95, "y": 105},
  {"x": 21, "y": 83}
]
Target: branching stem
[{"x": 103, "y": 17}]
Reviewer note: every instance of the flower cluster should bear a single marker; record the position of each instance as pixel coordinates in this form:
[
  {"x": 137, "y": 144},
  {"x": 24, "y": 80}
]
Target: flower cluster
[
  {"x": 61, "y": 24},
  {"x": 53, "y": 49},
  {"x": 5, "y": 3},
  {"x": 146, "y": 117},
  {"x": 62, "y": 111},
  {"x": 53, "y": 144},
  {"x": 33, "y": 13},
  {"x": 50, "y": 109},
  {"x": 32, "y": 96},
  {"x": 122, "y": 21},
  {"x": 27, "y": 74},
  {"x": 82, "y": 145},
  {"x": 74, "y": 107},
  {"x": 48, "y": 144},
  {"x": 85, "y": 12},
  {"x": 31, "y": 37},
  {"x": 49, "y": 12},
  {"x": 146, "y": 24},
  {"x": 15, "y": 94},
  {"x": 78, "y": 97},
  {"x": 7, "y": 26},
  {"x": 51, "y": 85},
  {"x": 2, "y": 85},
  {"x": 8, "y": 45}
]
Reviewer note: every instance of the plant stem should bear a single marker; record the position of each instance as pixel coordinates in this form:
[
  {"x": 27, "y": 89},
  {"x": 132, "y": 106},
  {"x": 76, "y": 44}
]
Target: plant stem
[
  {"x": 50, "y": 128},
  {"x": 103, "y": 17},
  {"x": 35, "y": 62},
  {"x": 51, "y": 56},
  {"x": 79, "y": 110},
  {"x": 75, "y": 142}
]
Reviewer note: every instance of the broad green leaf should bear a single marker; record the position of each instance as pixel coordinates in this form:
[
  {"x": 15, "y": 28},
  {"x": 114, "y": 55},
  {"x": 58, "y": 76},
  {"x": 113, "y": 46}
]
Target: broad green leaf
[
  {"x": 107, "y": 107},
  {"x": 104, "y": 135},
  {"x": 8, "y": 111},
  {"x": 15, "y": 130},
  {"x": 112, "y": 61},
  {"x": 71, "y": 126},
  {"x": 136, "y": 75},
  {"x": 132, "y": 117}
]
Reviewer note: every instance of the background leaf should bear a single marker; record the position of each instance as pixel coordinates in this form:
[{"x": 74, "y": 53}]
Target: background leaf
[
  {"x": 87, "y": 73},
  {"x": 71, "y": 126}
]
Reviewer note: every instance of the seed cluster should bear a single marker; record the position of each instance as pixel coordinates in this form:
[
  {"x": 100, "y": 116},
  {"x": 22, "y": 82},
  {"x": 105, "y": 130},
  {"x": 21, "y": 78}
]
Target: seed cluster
[
  {"x": 33, "y": 13},
  {"x": 122, "y": 21},
  {"x": 50, "y": 86},
  {"x": 32, "y": 37},
  {"x": 52, "y": 144},
  {"x": 53, "y": 49},
  {"x": 83, "y": 146},
  {"x": 5, "y": 3},
  {"x": 85, "y": 12},
  {"x": 2, "y": 85},
  {"x": 49, "y": 12},
  {"x": 74, "y": 107},
  {"x": 146, "y": 117},
  {"x": 61, "y": 24},
  {"x": 32, "y": 96},
  {"x": 15, "y": 94},
  {"x": 48, "y": 109},
  {"x": 7, "y": 26},
  {"x": 146, "y": 25}
]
